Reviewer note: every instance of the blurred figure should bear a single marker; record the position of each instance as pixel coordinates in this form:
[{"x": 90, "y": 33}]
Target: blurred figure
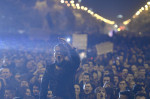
[
  {"x": 100, "y": 93},
  {"x": 77, "y": 91},
  {"x": 88, "y": 92},
  {"x": 61, "y": 74},
  {"x": 50, "y": 95},
  {"x": 36, "y": 91},
  {"x": 2, "y": 88}
]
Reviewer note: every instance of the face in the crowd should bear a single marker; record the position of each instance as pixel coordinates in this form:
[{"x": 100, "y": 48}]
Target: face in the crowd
[
  {"x": 101, "y": 68},
  {"x": 142, "y": 71},
  {"x": 122, "y": 85},
  {"x": 49, "y": 94},
  {"x": 35, "y": 90},
  {"x": 19, "y": 62},
  {"x": 116, "y": 79},
  {"x": 130, "y": 77},
  {"x": 91, "y": 64},
  {"x": 86, "y": 78},
  {"x": 146, "y": 66},
  {"x": 17, "y": 77},
  {"x": 134, "y": 68},
  {"x": 7, "y": 94},
  {"x": 77, "y": 88},
  {"x": 86, "y": 67},
  {"x": 58, "y": 54},
  {"x": 131, "y": 84},
  {"x": 106, "y": 79},
  {"x": 114, "y": 68},
  {"x": 117, "y": 62},
  {"x": 6, "y": 73},
  {"x": 106, "y": 72},
  {"x": 140, "y": 60},
  {"x": 110, "y": 62},
  {"x": 95, "y": 68},
  {"x": 24, "y": 84},
  {"x": 121, "y": 58},
  {"x": 88, "y": 88},
  {"x": 30, "y": 65},
  {"x": 101, "y": 94},
  {"x": 124, "y": 71},
  {"x": 28, "y": 92},
  {"x": 95, "y": 75}
]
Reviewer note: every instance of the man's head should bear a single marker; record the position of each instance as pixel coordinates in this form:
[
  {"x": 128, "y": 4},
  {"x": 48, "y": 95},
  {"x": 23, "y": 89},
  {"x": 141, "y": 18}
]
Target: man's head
[
  {"x": 129, "y": 77},
  {"x": 24, "y": 84},
  {"x": 86, "y": 77},
  {"x": 87, "y": 88},
  {"x": 106, "y": 79},
  {"x": 116, "y": 79},
  {"x": 35, "y": 90},
  {"x": 100, "y": 93},
  {"x": 60, "y": 51},
  {"x": 134, "y": 68},
  {"x": 77, "y": 88},
  {"x": 28, "y": 92},
  {"x": 49, "y": 94},
  {"x": 122, "y": 85},
  {"x": 9, "y": 93},
  {"x": 5, "y": 73},
  {"x": 86, "y": 67},
  {"x": 142, "y": 72},
  {"x": 125, "y": 71},
  {"x": 94, "y": 75}
]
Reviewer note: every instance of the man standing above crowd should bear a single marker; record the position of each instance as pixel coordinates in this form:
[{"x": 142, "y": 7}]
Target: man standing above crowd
[{"x": 60, "y": 75}]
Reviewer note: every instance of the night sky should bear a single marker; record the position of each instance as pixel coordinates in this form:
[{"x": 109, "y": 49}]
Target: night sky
[{"x": 111, "y": 8}]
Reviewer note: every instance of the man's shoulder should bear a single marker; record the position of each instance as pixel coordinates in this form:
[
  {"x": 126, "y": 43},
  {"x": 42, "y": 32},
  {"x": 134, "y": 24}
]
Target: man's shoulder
[{"x": 50, "y": 66}]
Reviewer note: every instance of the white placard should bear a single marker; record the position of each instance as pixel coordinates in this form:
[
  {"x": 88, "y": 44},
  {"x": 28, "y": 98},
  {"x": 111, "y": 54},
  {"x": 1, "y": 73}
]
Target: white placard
[
  {"x": 104, "y": 48},
  {"x": 80, "y": 41}
]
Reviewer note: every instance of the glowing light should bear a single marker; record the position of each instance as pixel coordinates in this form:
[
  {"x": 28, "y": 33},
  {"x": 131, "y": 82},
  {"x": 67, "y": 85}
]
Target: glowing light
[
  {"x": 116, "y": 26},
  {"x": 142, "y": 8},
  {"x": 62, "y": 1},
  {"x": 82, "y": 55},
  {"x": 68, "y": 5},
  {"x": 77, "y": 4},
  {"x": 68, "y": 39},
  {"x": 66, "y": 2},
  {"x": 82, "y": 7},
  {"x": 73, "y": 5},
  {"x": 78, "y": 7},
  {"x": 148, "y": 3},
  {"x": 118, "y": 29},
  {"x": 137, "y": 13},
  {"x": 72, "y": 1},
  {"x": 127, "y": 22},
  {"x": 85, "y": 8},
  {"x": 146, "y": 7}
]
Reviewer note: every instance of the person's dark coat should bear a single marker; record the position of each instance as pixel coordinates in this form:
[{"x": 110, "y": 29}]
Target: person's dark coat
[{"x": 60, "y": 80}]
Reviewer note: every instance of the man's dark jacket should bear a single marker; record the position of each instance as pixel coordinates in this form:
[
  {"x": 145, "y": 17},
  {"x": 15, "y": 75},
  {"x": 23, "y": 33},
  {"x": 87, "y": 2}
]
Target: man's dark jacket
[{"x": 60, "y": 80}]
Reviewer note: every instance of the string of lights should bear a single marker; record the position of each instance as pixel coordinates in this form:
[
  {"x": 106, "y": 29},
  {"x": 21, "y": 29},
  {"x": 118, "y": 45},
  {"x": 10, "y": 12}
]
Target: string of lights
[
  {"x": 79, "y": 7},
  {"x": 144, "y": 8}
]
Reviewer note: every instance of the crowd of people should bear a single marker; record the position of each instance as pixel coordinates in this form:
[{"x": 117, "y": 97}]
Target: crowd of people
[{"x": 123, "y": 74}]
